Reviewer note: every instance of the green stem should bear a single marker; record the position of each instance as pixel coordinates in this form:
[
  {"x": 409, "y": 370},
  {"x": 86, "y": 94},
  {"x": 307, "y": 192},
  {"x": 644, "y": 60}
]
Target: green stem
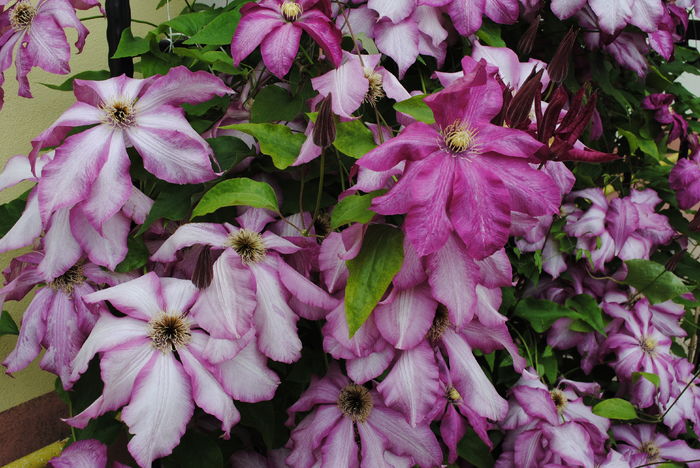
[
  {"x": 321, "y": 178},
  {"x": 144, "y": 22},
  {"x": 91, "y": 17}
]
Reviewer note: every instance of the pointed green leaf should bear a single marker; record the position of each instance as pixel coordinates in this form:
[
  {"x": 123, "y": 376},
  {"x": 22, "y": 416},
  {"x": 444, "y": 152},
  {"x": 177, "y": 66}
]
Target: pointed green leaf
[
  {"x": 353, "y": 138},
  {"x": 353, "y": 209},
  {"x": 237, "y": 192},
  {"x": 136, "y": 257},
  {"x": 653, "y": 280},
  {"x": 7, "y": 324},
  {"x": 416, "y": 108},
  {"x": 67, "y": 85},
  {"x": 653, "y": 378},
  {"x": 589, "y": 310},
  {"x": 276, "y": 141},
  {"x": 130, "y": 46},
  {"x": 371, "y": 273},
  {"x": 615, "y": 408},
  {"x": 219, "y": 31}
]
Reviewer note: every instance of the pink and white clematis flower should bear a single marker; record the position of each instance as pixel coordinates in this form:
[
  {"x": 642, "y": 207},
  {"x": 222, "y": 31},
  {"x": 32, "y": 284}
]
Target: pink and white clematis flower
[
  {"x": 157, "y": 364},
  {"x": 38, "y": 33},
  {"x": 251, "y": 283},
  {"x": 92, "y": 166}
]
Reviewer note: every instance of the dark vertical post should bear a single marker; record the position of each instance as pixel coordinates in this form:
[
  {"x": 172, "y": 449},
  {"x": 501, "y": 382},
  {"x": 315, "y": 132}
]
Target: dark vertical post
[{"x": 118, "y": 19}]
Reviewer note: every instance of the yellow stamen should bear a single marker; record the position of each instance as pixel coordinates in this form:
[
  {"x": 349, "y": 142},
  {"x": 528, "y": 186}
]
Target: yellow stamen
[{"x": 291, "y": 11}]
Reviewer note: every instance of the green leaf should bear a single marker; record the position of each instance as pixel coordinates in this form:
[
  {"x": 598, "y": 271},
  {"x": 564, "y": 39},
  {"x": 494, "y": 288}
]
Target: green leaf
[
  {"x": 367, "y": 43},
  {"x": 275, "y": 104},
  {"x": 216, "y": 59},
  {"x": 371, "y": 272},
  {"x": 190, "y": 23},
  {"x": 615, "y": 408},
  {"x": 542, "y": 313},
  {"x": 653, "y": 378},
  {"x": 474, "y": 450},
  {"x": 7, "y": 325},
  {"x": 649, "y": 147},
  {"x": 353, "y": 138},
  {"x": 136, "y": 257},
  {"x": 229, "y": 150},
  {"x": 130, "y": 46},
  {"x": 94, "y": 75},
  {"x": 276, "y": 141},
  {"x": 196, "y": 450},
  {"x": 653, "y": 280},
  {"x": 589, "y": 311},
  {"x": 416, "y": 108},
  {"x": 172, "y": 203},
  {"x": 631, "y": 139},
  {"x": 219, "y": 31},
  {"x": 10, "y": 213},
  {"x": 237, "y": 192},
  {"x": 490, "y": 34},
  {"x": 353, "y": 209}
]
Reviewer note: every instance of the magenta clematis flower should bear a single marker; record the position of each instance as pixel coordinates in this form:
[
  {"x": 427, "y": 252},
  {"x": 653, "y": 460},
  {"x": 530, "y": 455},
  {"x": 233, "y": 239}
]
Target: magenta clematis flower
[
  {"x": 661, "y": 103},
  {"x": 92, "y": 167},
  {"x": 685, "y": 180},
  {"x": 251, "y": 283},
  {"x": 39, "y": 31},
  {"x": 56, "y": 318},
  {"x": 463, "y": 174},
  {"x": 641, "y": 444},
  {"x": 344, "y": 413},
  {"x": 276, "y": 25},
  {"x": 158, "y": 364}
]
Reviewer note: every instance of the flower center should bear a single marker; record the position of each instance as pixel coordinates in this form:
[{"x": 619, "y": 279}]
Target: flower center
[
  {"x": 648, "y": 345},
  {"x": 453, "y": 395},
  {"x": 459, "y": 137},
  {"x": 559, "y": 399},
  {"x": 120, "y": 113},
  {"x": 291, "y": 11},
  {"x": 169, "y": 332},
  {"x": 376, "y": 90},
  {"x": 22, "y": 16},
  {"x": 68, "y": 280},
  {"x": 249, "y": 245},
  {"x": 355, "y": 402},
  {"x": 651, "y": 450},
  {"x": 440, "y": 324}
]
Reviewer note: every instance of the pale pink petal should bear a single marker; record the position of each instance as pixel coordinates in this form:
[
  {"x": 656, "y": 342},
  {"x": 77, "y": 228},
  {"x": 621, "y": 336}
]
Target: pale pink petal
[
  {"x": 333, "y": 269},
  {"x": 466, "y": 15},
  {"x": 280, "y": 244},
  {"x": 82, "y": 454},
  {"x": 27, "y": 228},
  {"x": 612, "y": 16},
  {"x": 528, "y": 449},
  {"x": 160, "y": 407},
  {"x": 188, "y": 235},
  {"x": 246, "y": 376},
  {"x": 61, "y": 250},
  {"x": 571, "y": 442},
  {"x": 225, "y": 308},
  {"x": 398, "y": 41},
  {"x": 565, "y": 9},
  {"x": 108, "y": 249},
  {"x": 364, "y": 369},
  {"x": 302, "y": 288},
  {"x": 141, "y": 298},
  {"x": 406, "y": 316},
  {"x": 413, "y": 384},
  {"x": 274, "y": 320},
  {"x": 374, "y": 446},
  {"x": 537, "y": 403},
  {"x": 17, "y": 169},
  {"x": 395, "y": 10},
  {"x": 178, "y": 294},
  {"x": 347, "y": 84},
  {"x": 647, "y": 14},
  {"x": 46, "y": 44},
  {"x": 181, "y": 86},
  {"x": 31, "y": 331},
  {"x": 62, "y": 339},
  {"x": 208, "y": 394}
]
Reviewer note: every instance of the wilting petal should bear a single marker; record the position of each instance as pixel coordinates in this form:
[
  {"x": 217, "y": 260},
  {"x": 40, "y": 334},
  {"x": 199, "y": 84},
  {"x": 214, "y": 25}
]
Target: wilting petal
[
  {"x": 225, "y": 308},
  {"x": 406, "y": 316},
  {"x": 470, "y": 381},
  {"x": 452, "y": 275},
  {"x": 274, "y": 320},
  {"x": 279, "y": 48},
  {"x": 140, "y": 298},
  {"x": 413, "y": 384},
  {"x": 188, "y": 235},
  {"x": 246, "y": 376},
  {"x": 207, "y": 392},
  {"x": 452, "y": 429},
  {"x": 31, "y": 332},
  {"x": 160, "y": 407}
]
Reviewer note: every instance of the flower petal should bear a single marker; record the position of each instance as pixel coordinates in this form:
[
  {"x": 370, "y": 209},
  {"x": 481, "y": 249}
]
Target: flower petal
[
  {"x": 180, "y": 86},
  {"x": 406, "y": 316},
  {"x": 188, "y": 235},
  {"x": 246, "y": 376},
  {"x": 31, "y": 331},
  {"x": 253, "y": 27},
  {"x": 324, "y": 32},
  {"x": 61, "y": 250},
  {"x": 280, "y": 47},
  {"x": 140, "y": 298}
]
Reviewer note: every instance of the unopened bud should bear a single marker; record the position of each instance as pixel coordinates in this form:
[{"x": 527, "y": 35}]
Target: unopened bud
[
  {"x": 324, "y": 130},
  {"x": 558, "y": 67},
  {"x": 527, "y": 40}
]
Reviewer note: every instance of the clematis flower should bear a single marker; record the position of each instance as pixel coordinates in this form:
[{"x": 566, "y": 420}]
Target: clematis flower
[
  {"x": 661, "y": 103},
  {"x": 467, "y": 14},
  {"x": 343, "y": 413},
  {"x": 39, "y": 31},
  {"x": 682, "y": 407},
  {"x": 277, "y": 25},
  {"x": 685, "y": 180},
  {"x": 251, "y": 283},
  {"x": 56, "y": 318},
  {"x": 463, "y": 173},
  {"x": 641, "y": 444},
  {"x": 92, "y": 166},
  {"x": 88, "y": 453},
  {"x": 398, "y": 10},
  {"x": 157, "y": 364}
]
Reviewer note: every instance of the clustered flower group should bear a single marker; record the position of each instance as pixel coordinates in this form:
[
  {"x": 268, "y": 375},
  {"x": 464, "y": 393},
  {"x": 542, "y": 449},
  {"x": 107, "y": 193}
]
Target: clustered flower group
[{"x": 471, "y": 186}]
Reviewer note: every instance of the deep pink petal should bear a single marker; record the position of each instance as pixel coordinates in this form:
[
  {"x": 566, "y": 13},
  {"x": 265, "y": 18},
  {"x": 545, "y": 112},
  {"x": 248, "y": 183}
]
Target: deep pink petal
[
  {"x": 253, "y": 27},
  {"x": 160, "y": 407},
  {"x": 82, "y": 454},
  {"x": 324, "y": 32},
  {"x": 466, "y": 15},
  {"x": 531, "y": 191},
  {"x": 279, "y": 48},
  {"x": 415, "y": 142}
]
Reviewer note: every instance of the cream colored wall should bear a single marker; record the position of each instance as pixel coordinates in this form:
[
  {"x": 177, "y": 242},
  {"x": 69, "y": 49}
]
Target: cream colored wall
[{"x": 21, "y": 120}]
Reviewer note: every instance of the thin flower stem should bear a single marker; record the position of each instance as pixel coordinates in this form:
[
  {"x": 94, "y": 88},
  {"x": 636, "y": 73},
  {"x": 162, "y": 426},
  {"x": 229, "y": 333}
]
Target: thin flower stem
[
  {"x": 144, "y": 22},
  {"x": 321, "y": 178},
  {"x": 352, "y": 35},
  {"x": 72, "y": 429},
  {"x": 522, "y": 340}
]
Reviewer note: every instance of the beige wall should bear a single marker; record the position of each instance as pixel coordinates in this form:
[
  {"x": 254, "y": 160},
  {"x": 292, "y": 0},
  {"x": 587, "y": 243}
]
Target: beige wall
[{"x": 21, "y": 120}]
